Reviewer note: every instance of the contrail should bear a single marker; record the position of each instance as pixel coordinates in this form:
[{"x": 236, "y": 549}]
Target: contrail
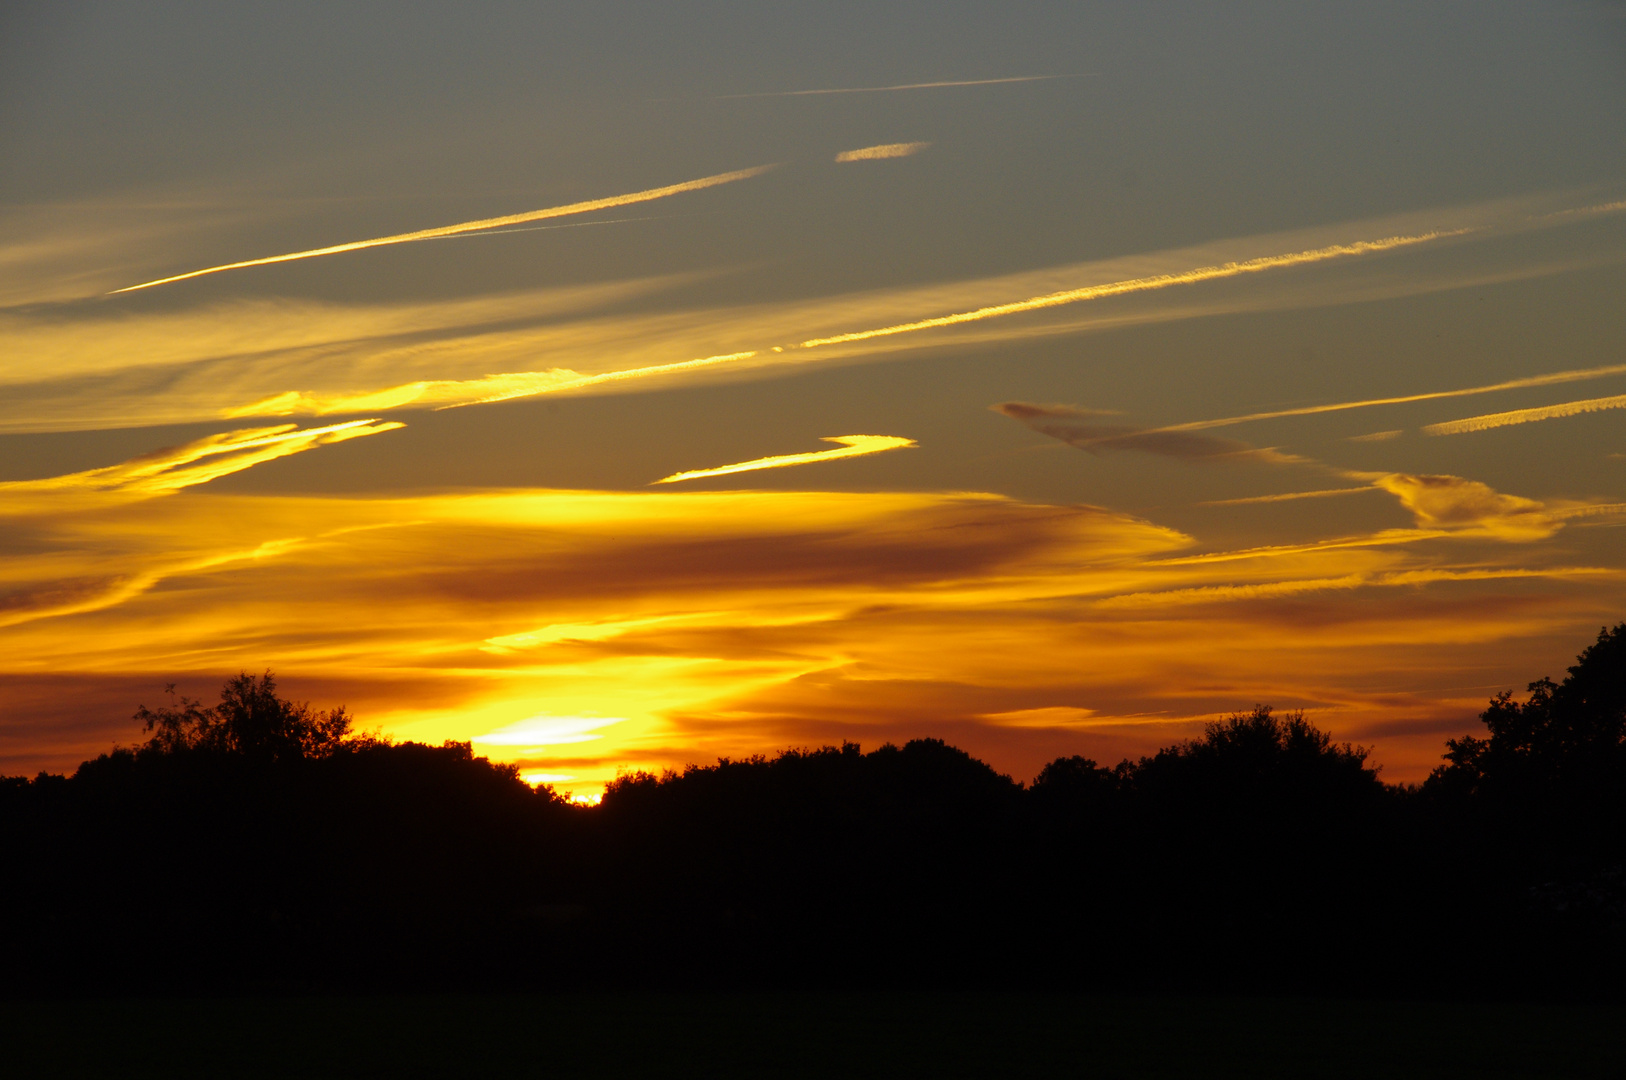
[
  {"x": 852, "y": 446},
  {"x": 1579, "y": 375},
  {"x": 1323, "y": 494},
  {"x": 511, "y": 385},
  {"x": 885, "y": 150},
  {"x": 905, "y": 86},
  {"x": 471, "y": 226},
  {"x": 1526, "y": 416},
  {"x": 1133, "y": 285}
]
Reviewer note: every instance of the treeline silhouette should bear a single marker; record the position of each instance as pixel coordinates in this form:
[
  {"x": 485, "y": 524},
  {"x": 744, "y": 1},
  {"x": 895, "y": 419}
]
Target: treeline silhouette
[{"x": 259, "y": 843}]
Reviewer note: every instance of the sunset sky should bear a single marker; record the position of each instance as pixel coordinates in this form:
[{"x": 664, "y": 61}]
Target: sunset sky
[{"x": 625, "y": 385}]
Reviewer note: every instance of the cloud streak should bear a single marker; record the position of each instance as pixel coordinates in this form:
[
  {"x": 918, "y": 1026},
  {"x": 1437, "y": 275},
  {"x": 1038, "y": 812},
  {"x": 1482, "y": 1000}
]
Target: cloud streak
[
  {"x": 851, "y": 446},
  {"x": 906, "y": 86},
  {"x": 1082, "y": 429},
  {"x": 1290, "y": 496},
  {"x": 470, "y": 226},
  {"x": 1552, "y": 379},
  {"x": 166, "y": 471},
  {"x": 1526, "y": 416},
  {"x": 885, "y": 150},
  {"x": 527, "y": 384},
  {"x": 1143, "y": 284}
]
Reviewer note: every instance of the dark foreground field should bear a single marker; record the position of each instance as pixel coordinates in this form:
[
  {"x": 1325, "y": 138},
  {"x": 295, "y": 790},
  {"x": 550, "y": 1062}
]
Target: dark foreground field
[{"x": 807, "y": 1035}]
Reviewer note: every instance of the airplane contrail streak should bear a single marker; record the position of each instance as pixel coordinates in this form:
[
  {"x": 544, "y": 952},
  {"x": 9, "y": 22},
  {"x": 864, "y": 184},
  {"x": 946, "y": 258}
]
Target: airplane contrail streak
[
  {"x": 505, "y": 387},
  {"x": 1326, "y": 493},
  {"x": 1526, "y": 416},
  {"x": 470, "y": 226},
  {"x": 906, "y": 86},
  {"x": 852, "y": 446},
  {"x": 1133, "y": 285},
  {"x": 1578, "y": 375}
]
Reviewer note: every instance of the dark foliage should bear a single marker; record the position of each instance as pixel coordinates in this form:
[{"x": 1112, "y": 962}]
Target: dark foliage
[{"x": 258, "y": 842}]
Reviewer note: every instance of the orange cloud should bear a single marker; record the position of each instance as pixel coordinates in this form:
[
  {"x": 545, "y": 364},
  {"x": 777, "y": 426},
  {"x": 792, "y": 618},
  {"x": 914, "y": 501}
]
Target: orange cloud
[
  {"x": 1450, "y": 502},
  {"x": 576, "y": 633}
]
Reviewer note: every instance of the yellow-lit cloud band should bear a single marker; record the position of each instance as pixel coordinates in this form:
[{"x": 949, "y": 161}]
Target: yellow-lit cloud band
[
  {"x": 197, "y": 462},
  {"x": 885, "y": 150},
  {"x": 526, "y": 384},
  {"x": 1526, "y": 416},
  {"x": 851, "y": 446},
  {"x": 472, "y": 226}
]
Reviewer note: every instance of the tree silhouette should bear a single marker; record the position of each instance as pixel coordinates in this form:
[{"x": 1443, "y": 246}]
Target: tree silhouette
[
  {"x": 251, "y": 721},
  {"x": 1543, "y": 795}
]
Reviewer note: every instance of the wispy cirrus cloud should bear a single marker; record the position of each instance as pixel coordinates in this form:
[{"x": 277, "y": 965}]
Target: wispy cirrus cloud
[
  {"x": 1086, "y": 430},
  {"x": 1442, "y": 505},
  {"x": 481, "y": 225},
  {"x": 850, "y": 446},
  {"x": 166, "y": 471}
]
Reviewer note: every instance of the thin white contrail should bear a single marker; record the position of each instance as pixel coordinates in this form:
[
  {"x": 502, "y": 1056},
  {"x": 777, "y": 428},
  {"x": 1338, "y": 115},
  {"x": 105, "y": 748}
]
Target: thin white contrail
[
  {"x": 471, "y": 226},
  {"x": 851, "y": 446},
  {"x": 906, "y": 86}
]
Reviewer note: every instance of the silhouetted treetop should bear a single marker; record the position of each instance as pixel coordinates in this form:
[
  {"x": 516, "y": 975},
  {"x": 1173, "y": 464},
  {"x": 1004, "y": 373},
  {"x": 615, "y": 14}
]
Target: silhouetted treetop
[
  {"x": 250, "y": 721},
  {"x": 1552, "y": 770},
  {"x": 1257, "y": 752}
]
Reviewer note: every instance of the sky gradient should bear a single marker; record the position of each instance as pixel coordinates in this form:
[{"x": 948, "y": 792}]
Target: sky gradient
[{"x": 618, "y": 386}]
